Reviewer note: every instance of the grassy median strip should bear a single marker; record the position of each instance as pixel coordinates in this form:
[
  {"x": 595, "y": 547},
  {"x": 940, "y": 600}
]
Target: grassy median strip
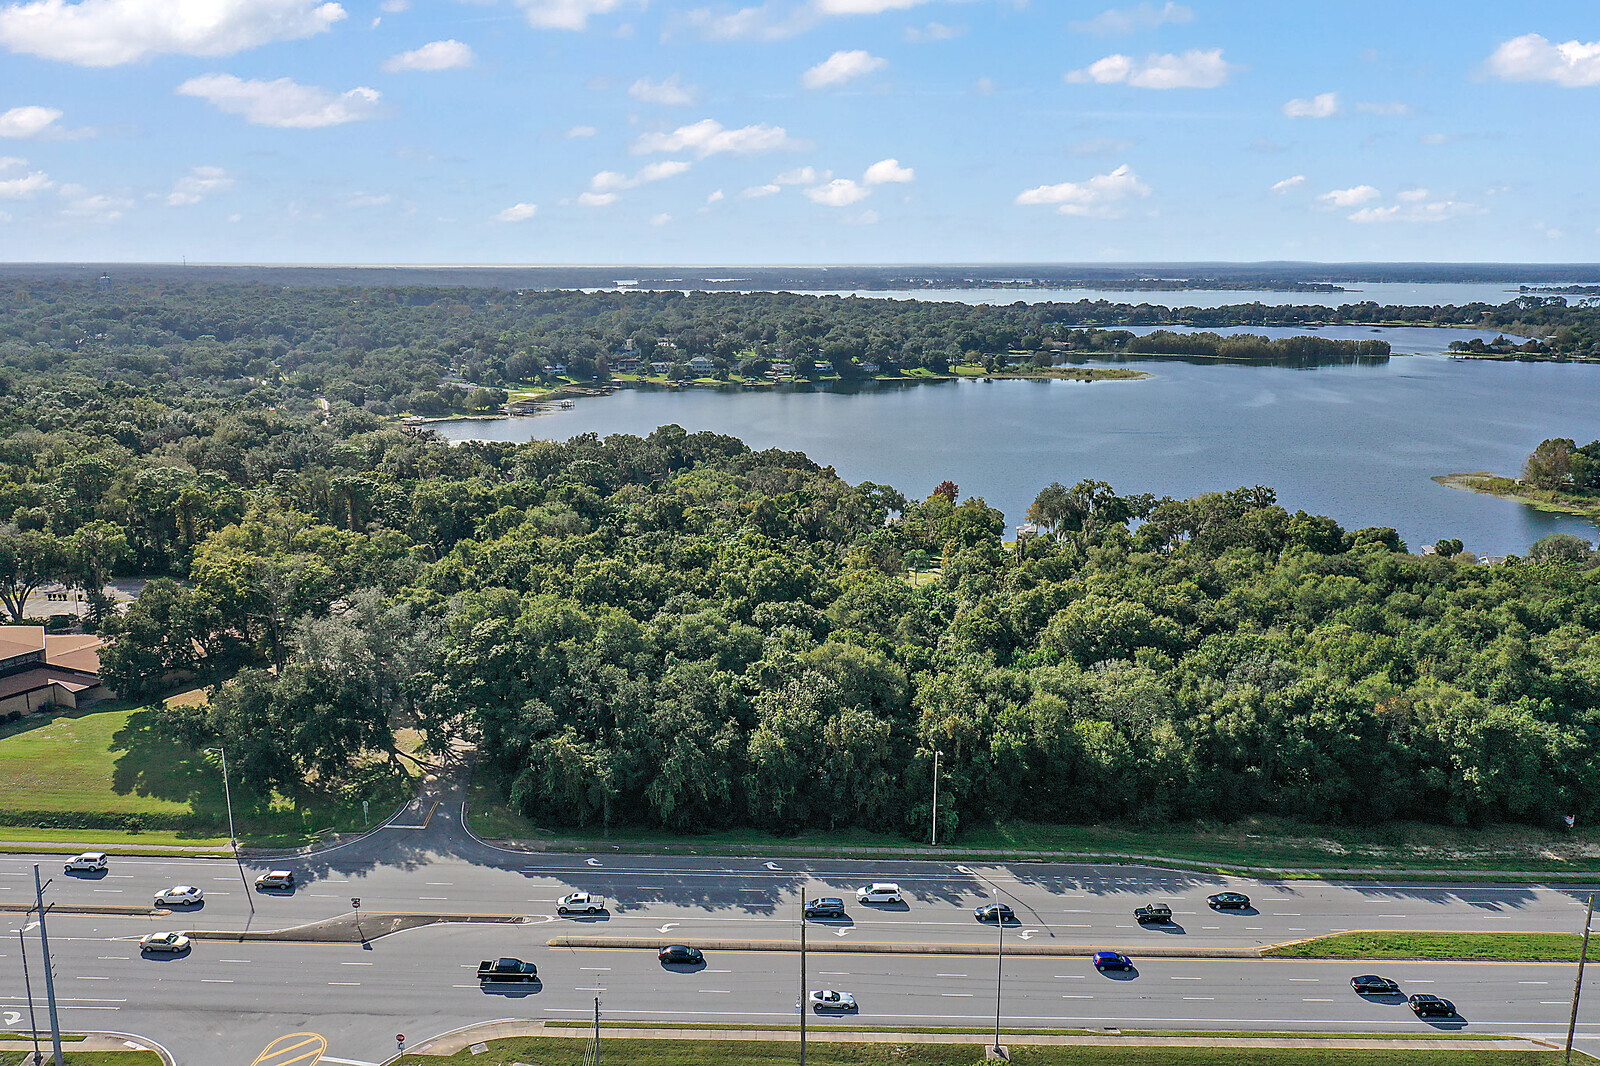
[
  {"x": 754, "y": 1053},
  {"x": 85, "y": 1058},
  {"x": 1501, "y": 947},
  {"x": 1017, "y": 1034}
]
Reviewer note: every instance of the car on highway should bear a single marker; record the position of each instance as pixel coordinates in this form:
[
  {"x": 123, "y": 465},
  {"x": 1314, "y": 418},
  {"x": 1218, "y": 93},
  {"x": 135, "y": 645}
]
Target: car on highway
[
  {"x": 680, "y": 954},
  {"x": 180, "y": 896},
  {"x": 1424, "y": 1005},
  {"x": 1370, "y": 984},
  {"x": 172, "y": 943},
  {"x": 580, "y": 903},
  {"x": 1111, "y": 960},
  {"x": 88, "y": 862},
  {"x": 827, "y": 999},
  {"x": 276, "y": 881},
  {"x": 1153, "y": 914},
  {"x": 879, "y": 892},
  {"x": 993, "y": 912},
  {"x": 1228, "y": 901},
  {"x": 507, "y": 971},
  {"x": 825, "y": 907}
]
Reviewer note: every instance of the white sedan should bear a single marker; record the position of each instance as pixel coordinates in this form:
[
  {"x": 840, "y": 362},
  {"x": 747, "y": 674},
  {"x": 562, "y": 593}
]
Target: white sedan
[
  {"x": 180, "y": 895},
  {"x": 827, "y": 999},
  {"x": 170, "y": 942}
]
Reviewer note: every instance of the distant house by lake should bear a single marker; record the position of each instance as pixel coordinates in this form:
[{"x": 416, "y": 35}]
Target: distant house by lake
[
  {"x": 869, "y": 368},
  {"x": 660, "y": 367},
  {"x": 824, "y": 366},
  {"x": 701, "y": 365}
]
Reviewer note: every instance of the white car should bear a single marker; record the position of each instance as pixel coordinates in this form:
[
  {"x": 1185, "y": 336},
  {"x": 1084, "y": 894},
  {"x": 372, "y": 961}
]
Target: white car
[
  {"x": 180, "y": 895},
  {"x": 168, "y": 942},
  {"x": 879, "y": 892},
  {"x": 88, "y": 862},
  {"x": 580, "y": 902},
  {"x": 827, "y": 999}
]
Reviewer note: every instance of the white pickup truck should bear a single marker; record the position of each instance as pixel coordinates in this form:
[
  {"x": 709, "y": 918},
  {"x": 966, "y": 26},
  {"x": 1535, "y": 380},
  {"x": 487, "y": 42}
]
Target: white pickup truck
[{"x": 580, "y": 903}]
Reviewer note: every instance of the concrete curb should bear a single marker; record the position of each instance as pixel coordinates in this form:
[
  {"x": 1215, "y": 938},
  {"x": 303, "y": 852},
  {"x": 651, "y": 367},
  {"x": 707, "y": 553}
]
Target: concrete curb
[
  {"x": 95, "y": 1040},
  {"x": 869, "y": 948},
  {"x": 353, "y": 929},
  {"x": 86, "y": 908}
]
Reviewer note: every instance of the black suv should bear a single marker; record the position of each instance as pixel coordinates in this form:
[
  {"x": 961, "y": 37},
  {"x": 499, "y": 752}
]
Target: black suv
[
  {"x": 1425, "y": 1006},
  {"x": 1370, "y": 984},
  {"x": 826, "y": 907}
]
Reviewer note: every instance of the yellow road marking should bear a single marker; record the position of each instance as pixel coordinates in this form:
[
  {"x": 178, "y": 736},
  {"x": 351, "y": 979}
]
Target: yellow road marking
[{"x": 273, "y": 1054}]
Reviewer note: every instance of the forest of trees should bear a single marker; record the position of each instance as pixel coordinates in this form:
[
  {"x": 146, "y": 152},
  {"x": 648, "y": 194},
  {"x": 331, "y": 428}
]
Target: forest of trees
[{"x": 674, "y": 630}]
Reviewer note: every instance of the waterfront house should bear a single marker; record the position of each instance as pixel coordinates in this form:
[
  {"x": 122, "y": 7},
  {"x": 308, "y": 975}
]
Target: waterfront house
[{"x": 701, "y": 365}]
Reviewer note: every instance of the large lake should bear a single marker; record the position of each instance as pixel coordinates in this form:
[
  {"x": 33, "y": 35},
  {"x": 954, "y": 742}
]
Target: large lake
[{"x": 1359, "y": 443}]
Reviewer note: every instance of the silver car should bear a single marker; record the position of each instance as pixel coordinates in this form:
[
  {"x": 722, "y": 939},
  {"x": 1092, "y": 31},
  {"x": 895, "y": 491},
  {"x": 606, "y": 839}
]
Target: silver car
[
  {"x": 180, "y": 895},
  {"x": 827, "y": 999}
]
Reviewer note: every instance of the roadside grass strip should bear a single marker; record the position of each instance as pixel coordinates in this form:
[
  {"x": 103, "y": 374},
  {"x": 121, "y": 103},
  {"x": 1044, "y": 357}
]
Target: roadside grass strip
[
  {"x": 85, "y": 1058},
  {"x": 1011, "y": 1034},
  {"x": 524, "y": 1050},
  {"x": 1379, "y": 944}
]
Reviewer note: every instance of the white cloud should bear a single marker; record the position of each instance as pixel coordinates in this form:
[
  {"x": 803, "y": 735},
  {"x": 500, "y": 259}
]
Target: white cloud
[
  {"x": 770, "y": 21},
  {"x": 802, "y": 176},
  {"x": 517, "y": 213},
  {"x": 865, "y": 218},
  {"x": 716, "y": 197},
  {"x": 1099, "y": 146},
  {"x": 283, "y": 103},
  {"x": 24, "y": 187},
  {"x": 1354, "y": 196},
  {"x": 369, "y": 199},
  {"x": 1387, "y": 108},
  {"x": 840, "y": 192},
  {"x": 106, "y": 33},
  {"x": 667, "y": 92},
  {"x": 394, "y": 7},
  {"x": 581, "y": 131},
  {"x": 887, "y": 170},
  {"x": 96, "y": 207},
  {"x": 564, "y": 14},
  {"x": 28, "y": 121},
  {"x": 985, "y": 86},
  {"x": 933, "y": 31},
  {"x": 11, "y": 162},
  {"x": 1287, "y": 184},
  {"x": 660, "y": 220},
  {"x": 1323, "y": 105},
  {"x": 709, "y": 137},
  {"x": 1099, "y": 197},
  {"x": 1195, "y": 69},
  {"x": 1434, "y": 140},
  {"x": 1411, "y": 196},
  {"x": 1416, "y": 210},
  {"x": 435, "y": 55},
  {"x": 196, "y": 185},
  {"x": 756, "y": 192},
  {"x": 597, "y": 199},
  {"x": 610, "y": 181},
  {"x": 1533, "y": 58},
  {"x": 1144, "y": 16},
  {"x": 864, "y": 7},
  {"x": 842, "y": 67}
]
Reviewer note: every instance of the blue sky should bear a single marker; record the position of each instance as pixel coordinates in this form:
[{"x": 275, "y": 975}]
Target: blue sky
[{"x": 797, "y": 131}]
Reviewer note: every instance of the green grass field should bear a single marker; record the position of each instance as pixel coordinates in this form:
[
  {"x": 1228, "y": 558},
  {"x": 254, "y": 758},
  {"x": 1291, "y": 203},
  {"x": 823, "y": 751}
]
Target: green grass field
[
  {"x": 86, "y": 1058},
  {"x": 763, "y": 1053},
  {"x": 1508, "y": 947},
  {"x": 105, "y": 775}
]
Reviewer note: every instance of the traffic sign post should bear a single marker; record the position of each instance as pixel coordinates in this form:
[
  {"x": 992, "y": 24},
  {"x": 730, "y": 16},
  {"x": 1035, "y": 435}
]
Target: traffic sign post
[{"x": 400, "y": 1041}]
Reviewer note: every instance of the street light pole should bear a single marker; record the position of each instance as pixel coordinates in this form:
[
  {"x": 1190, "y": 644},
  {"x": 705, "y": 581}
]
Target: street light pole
[
  {"x": 49, "y": 977},
  {"x": 805, "y": 1004},
  {"x": 936, "y": 757},
  {"x": 33, "y": 1019},
  {"x": 999, "y": 969},
  {"x": 1577, "y": 986},
  {"x": 233, "y": 840}
]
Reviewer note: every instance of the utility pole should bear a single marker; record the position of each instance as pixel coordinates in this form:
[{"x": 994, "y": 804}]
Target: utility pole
[
  {"x": 999, "y": 969},
  {"x": 1577, "y": 986},
  {"x": 49, "y": 978},
  {"x": 33, "y": 1019},
  {"x": 233, "y": 840},
  {"x": 936, "y": 756},
  {"x": 591, "y": 1057},
  {"x": 805, "y": 999}
]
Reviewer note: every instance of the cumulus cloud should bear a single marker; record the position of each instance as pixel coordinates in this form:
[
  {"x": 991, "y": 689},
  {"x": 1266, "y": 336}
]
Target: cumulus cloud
[
  {"x": 669, "y": 92},
  {"x": 1416, "y": 206},
  {"x": 106, "y": 33},
  {"x": 1281, "y": 187},
  {"x": 517, "y": 213},
  {"x": 802, "y": 176},
  {"x": 887, "y": 170},
  {"x": 1354, "y": 196},
  {"x": 756, "y": 192},
  {"x": 196, "y": 185},
  {"x": 28, "y": 121},
  {"x": 933, "y": 31},
  {"x": 770, "y": 21},
  {"x": 841, "y": 67},
  {"x": 24, "y": 187},
  {"x": 660, "y": 220},
  {"x": 436, "y": 55},
  {"x": 1323, "y": 105},
  {"x": 1144, "y": 16},
  {"x": 864, "y": 7},
  {"x": 709, "y": 137},
  {"x": 369, "y": 199},
  {"x": 564, "y": 14},
  {"x": 716, "y": 197},
  {"x": 597, "y": 199},
  {"x": 1387, "y": 108},
  {"x": 611, "y": 180},
  {"x": 283, "y": 103},
  {"x": 1531, "y": 57},
  {"x": 1101, "y": 196},
  {"x": 394, "y": 7},
  {"x": 581, "y": 131},
  {"x": 840, "y": 192},
  {"x": 1195, "y": 69},
  {"x": 96, "y": 207}
]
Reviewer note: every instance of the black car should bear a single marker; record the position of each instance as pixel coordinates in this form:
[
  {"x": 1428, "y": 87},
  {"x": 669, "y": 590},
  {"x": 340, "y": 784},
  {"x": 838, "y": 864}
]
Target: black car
[
  {"x": 1225, "y": 900},
  {"x": 993, "y": 912},
  {"x": 680, "y": 953},
  {"x": 1370, "y": 984},
  {"x": 826, "y": 907},
  {"x": 1426, "y": 1006}
]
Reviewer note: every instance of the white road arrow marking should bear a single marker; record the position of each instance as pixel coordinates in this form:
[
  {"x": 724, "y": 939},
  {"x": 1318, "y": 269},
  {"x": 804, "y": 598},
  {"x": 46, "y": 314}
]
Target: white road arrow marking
[
  {"x": 669, "y": 927},
  {"x": 1026, "y": 934},
  {"x": 13, "y": 1017},
  {"x": 593, "y": 862},
  {"x": 773, "y": 866},
  {"x": 842, "y": 932},
  {"x": 963, "y": 870}
]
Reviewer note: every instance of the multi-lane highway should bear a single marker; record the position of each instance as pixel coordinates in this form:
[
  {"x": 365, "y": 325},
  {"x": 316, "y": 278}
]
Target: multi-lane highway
[{"x": 223, "y": 1002}]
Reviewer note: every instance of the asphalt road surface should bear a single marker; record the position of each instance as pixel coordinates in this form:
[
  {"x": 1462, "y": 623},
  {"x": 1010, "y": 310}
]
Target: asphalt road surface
[{"x": 224, "y": 1001}]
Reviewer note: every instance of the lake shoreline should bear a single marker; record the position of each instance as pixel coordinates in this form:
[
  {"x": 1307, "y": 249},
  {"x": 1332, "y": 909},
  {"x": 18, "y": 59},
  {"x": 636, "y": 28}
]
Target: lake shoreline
[{"x": 1504, "y": 488}]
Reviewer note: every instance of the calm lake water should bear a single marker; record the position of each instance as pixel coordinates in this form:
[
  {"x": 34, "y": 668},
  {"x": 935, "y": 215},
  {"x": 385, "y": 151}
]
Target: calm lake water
[{"x": 1359, "y": 443}]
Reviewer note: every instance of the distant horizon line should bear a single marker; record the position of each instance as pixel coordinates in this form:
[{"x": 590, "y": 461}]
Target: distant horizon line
[{"x": 946, "y": 265}]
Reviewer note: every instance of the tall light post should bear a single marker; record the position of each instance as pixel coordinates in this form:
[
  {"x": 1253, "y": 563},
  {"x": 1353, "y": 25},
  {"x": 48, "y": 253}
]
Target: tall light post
[
  {"x": 49, "y": 974},
  {"x": 999, "y": 969},
  {"x": 936, "y": 757},
  {"x": 233, "y": 840},
  {"x": 1577, "y": 986},
  {"x": 27, "y": 984}
]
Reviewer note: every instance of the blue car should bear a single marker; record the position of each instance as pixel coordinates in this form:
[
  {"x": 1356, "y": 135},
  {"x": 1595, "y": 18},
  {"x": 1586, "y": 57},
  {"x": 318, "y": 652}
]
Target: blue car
[{"x": 1110, "y": 960}]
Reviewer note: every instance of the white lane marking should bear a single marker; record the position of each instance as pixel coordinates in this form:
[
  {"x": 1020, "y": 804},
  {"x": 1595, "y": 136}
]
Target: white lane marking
[
  {"x": 1296, "y": 914},
  {"x": 956, "y": 995},
  {"x": 582, "y": 989},
  {"x": 1211, "y": 927},
  {"x": 216, "y": 981},
  {"x": 109, "y": 958},
  {"x": 347, "y": 1062},
  {"x": 440, "y": 884},
  {"x": 1316, "y": 1001},
  {"x": 355, "y": 964},
  {"x": 244, "y": 961},
  {"x": 91, "y": 978},
  {"x": 108, "y": 890},
  {"x": 345, "y": 984},
  {"x": 1391, "y": 916},
  {"x": 772, "y": 866},
  {"x": 1070, "y": 977},
  {"x": 1533, "y": 982},
  {"x": 595, "y": 968},
  {"x": 1198, "y": 998},
  {"x": 432, "y": 898},
  {"x": 714, "y": 991},
  {"x": 833, "y": 973},
  {"x": 949, "y": 975},
  {"x": 718, "y": 971},
  {"x": 1188, "y": 978},
  {"x": 1311, "y": 980},
  {"x": 1077, "y": 997}
]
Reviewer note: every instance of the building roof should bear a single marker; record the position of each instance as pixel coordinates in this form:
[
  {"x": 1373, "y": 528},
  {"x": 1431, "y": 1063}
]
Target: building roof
[
  {"x": 78, "y": 652},
  {"x": 20, "y": 640},
  {"x": 43, "y": 677}
]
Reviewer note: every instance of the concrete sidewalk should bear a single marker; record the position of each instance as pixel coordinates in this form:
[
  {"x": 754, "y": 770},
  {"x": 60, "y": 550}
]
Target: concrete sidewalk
[{"x": 12, "y": 1042}]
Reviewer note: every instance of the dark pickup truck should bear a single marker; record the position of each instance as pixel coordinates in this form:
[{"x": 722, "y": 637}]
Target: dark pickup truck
[
  {"x": 507, "y": 970},
  {"x": 1153, "y": 914}
]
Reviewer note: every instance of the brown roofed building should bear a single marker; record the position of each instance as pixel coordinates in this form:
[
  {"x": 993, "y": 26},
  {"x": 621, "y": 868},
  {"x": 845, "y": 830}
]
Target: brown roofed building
[{"x": 36, "y": 669}]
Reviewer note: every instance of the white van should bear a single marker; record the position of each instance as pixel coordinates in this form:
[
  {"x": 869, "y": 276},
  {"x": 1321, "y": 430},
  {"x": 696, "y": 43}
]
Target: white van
[
  {"x": 89, "y": 862},
  {"x": 879, "y": 892}
]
